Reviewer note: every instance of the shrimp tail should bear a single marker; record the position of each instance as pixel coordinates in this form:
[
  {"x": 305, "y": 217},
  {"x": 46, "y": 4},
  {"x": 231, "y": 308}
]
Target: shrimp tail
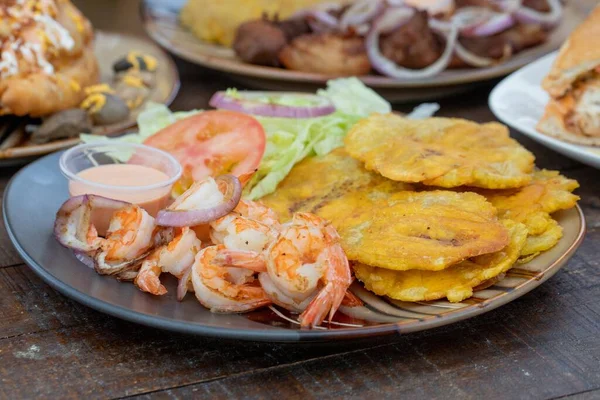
[
  {"x": 148, "y": 278},
  {"x": 150, "y": 283},
  {"x": 351, "y": 300},
  {"x": 241, "y": 259},
  {"x": 327, "y": 301}
]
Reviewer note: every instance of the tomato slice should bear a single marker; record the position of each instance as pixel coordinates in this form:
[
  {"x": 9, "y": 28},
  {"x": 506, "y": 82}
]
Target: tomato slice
[{"x": 213, "y": 143}]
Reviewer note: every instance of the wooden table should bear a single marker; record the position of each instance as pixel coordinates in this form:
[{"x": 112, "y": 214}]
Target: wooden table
[{"x": 544, "y": 345}]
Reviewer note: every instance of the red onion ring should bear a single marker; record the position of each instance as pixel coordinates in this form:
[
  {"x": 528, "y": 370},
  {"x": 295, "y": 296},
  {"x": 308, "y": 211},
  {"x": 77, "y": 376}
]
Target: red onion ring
[
  {"x": 182, "y": 286},
  {"x": 478, "y": 61},
  {"x": 229, "y": 185},
  {"x": 495, "y": 24},
  {"x": 528, "y": 15},
  {"x": 73, "y": 220},
  {"x": 247, "y": 105},
  {"x": 362, "y": 11},
  {"x": 387, "y": 67}
]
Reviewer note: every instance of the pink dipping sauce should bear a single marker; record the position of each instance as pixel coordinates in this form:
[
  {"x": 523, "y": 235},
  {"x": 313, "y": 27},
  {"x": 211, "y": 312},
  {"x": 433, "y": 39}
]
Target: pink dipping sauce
[{"x": 127, "y": 176}]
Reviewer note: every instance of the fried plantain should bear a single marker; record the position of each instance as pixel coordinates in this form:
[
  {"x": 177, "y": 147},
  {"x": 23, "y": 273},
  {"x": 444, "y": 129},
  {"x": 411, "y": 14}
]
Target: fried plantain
[
  {"x": 410, "y": 230},
  {"x": 547, "y": 193},
  {"x": 455, "y": 283},
  {"x": 317, "y": 181},
  {"x": 328, "y": 54},
  {"x": 444, "y": 152}
]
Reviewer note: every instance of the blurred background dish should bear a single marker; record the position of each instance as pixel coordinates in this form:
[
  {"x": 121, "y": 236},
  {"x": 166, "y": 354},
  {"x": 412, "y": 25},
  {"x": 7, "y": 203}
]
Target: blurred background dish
[
  {"x": 163, "y": 23},
  {"x": 17, "y": 145},
  {"x": 519, "y": 101}
]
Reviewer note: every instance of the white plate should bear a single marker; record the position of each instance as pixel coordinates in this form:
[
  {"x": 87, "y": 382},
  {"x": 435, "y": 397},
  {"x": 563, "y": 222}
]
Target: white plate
[{"x": 519, "y": 102}]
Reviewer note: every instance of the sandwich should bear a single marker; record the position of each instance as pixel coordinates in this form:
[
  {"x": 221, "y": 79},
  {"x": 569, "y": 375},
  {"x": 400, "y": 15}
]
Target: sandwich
[{"x": 573, "y": 112}]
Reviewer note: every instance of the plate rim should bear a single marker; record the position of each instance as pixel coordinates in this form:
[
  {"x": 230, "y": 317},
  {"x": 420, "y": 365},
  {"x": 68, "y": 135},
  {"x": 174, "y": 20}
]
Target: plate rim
[
  {"x": 51, "y": 147},
  {"x": 561, "y": 146},
  {"x": 377, "y": 82},
  {"x": 282, "y": 335}
]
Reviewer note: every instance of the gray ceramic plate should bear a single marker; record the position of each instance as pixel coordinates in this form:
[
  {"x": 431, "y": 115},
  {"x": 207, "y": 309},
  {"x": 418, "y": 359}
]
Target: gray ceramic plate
[
  {"x": 161, "y": 20},
  {"x": 35, "y": 193}
]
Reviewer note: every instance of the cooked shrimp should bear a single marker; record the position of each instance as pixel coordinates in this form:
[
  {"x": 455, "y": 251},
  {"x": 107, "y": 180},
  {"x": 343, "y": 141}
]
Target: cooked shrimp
[
  {"x": 258, "y": 212},
  {"x": 307, "y": 260},
  {"x": 130, "y": 236},
  {"x": 174, "y": 258},
  {"x": 223, "y": 289}
]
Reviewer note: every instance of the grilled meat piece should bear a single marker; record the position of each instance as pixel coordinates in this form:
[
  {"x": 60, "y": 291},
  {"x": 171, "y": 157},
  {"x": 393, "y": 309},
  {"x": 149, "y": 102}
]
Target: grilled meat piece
[
  {"x": 414, "y": 45},
  {"x": 259, "y": 42},
  {"x": 515, "y": 39},
  {"x": 292, "y": 28},
  {"x": 328, "y": 54}
]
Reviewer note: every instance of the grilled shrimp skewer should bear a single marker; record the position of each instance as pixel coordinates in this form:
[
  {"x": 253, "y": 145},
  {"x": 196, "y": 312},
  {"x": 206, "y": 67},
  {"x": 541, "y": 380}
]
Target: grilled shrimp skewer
[
  {"x": 246, "y": 233},
  {"x": 174, "y": 258},
  {"x": 225, "y": 289},
  {"x": 131, "y": 235},
  {"x": 306, "y": 269}
]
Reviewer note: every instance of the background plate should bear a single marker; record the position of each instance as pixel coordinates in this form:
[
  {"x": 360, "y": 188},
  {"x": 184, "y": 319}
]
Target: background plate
[
  {"x": 109, "y": 47},
  {"x": 161, "y": 21},
  {"x": 29, "y": 223},
  {"x": 519, "y": 101}
]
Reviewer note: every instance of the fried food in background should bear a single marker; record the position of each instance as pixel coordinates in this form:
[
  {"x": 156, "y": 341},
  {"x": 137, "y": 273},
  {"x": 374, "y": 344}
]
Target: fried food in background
[
  {"x": 444, "y": 152},
  {"x": 573, "y": 114},
  {"x": 316, "y": 181},
  {"x": 456, "y": 282},
  {"x": 216, "y": 21},
  {"x": 47, "y": 53},
  {"x": 329, "y": 54}
]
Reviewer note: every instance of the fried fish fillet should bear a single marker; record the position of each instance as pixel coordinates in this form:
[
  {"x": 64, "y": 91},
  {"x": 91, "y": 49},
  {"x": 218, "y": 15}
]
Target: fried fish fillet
[
  {"x": 456, "y": 283},
  {"x": 547, "y": 193},
  {"x": 317, "y": 181},
  {"x": 444, "y": 152},
  {"x": 414, "y": 230}
]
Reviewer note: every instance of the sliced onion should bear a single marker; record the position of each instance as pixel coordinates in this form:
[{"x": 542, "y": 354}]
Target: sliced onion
[
  {"x": 475, "y": 60},
  {"x": 509, "y": 6},
  {"x": 471, "y": 17},
  {"x": 73, "y": 221},
  {"x": 362, "y": 11},
  {"x": 247, "y": 102},
  {"x": 85, "y": 259},
  {"x": 391, "y": 69},
  {"x": 530, "y": 16},
  {"x": 182, "y": 286},
  {"x": 392, "y": 19},
  {"x": 495, "y": 24},
  {"x": 229, "y": 185}
]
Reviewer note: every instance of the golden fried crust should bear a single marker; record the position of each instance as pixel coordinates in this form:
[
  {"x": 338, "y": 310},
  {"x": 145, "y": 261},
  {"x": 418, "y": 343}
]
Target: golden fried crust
[
  {"x": 327, "y": 54},
  {"x": 40, "y": 94},
  {"x": 410, "y": 230},
  {"x": 532, "y": 205},
  {"x": 36, "y": 93},
  {"x": 578, "y": 55},
  {"x": 316, "y": 181},
  {"x": 444, "y": 152},
  {"x": 456, "y": 283}
]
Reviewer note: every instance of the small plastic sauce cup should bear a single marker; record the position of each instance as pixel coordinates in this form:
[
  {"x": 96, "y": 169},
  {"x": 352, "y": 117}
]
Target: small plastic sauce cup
[{"x": 134, "y": 173}]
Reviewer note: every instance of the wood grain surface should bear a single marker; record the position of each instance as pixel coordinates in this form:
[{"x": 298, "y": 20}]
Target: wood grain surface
[{"x": 544, "y": 345}]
